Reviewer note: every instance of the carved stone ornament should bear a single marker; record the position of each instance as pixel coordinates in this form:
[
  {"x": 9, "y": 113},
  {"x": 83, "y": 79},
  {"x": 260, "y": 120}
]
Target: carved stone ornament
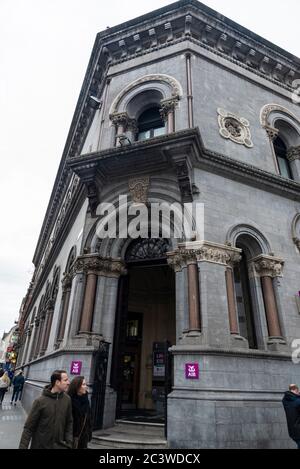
[
  {"x": 203, "y": 252},
  {"x": 293, "y": 153},
  {"x": 272, "y": 132},
  {"x": 138, "y": 188},
  {"x": 167, "y": 106},
  {"x": 269, "y": 108},
  {"x": 296, "y": 230},
  {"x": 119, "y": 118},
  {"x": 234, "y": 128},
  {"x": 105, "y": 266},
  {"x": 66, "y": 281},
  {"x": 172, "y": 83},
  {"x": 268, "y": 266}
]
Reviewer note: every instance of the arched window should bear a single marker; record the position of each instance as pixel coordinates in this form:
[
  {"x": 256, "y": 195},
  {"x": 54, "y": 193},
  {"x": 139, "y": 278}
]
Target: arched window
[
  {"x": 280, "y": 149},
  {"x": 150, "y": 124},
  {"x": 66, "y": 293}
]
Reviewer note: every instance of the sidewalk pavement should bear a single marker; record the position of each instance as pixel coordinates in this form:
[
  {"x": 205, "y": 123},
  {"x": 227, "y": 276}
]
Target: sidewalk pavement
[{"x": 12, "y": 419}]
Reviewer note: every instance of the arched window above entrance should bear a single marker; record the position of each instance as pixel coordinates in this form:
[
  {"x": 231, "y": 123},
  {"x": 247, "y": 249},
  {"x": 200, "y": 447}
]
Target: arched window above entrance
[{"x": 147, "y": 250}]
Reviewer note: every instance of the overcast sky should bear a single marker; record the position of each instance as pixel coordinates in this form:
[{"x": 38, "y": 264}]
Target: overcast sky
[{"x": 45, "y": 46}]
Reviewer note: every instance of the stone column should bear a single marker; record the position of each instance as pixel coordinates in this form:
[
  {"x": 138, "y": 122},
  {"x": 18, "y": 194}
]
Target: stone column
[
  {"x": 94, "y": 266},
  {"x": 109, "y": 269},
  {"x": 105, "y": 309},
  {"x": 293, "y": 155},
  {"x": 27, "y": 344},
  {"x": 120, "y": 121},
  {"x": 185, "y": 260},
  {"x": 189, "y": 90},
  {"x": 206, "y": 264},
  {"x": 182, "y": 315},
  {"x": 40, "y": 333},
  {"x": 194, "y": 298},
  {"x": 273, "y": 134},
  {"x": 76, "y": 302},
  {"x": 132, "y": 130},
  {"x": 47, "y": 326},
  {"x": 88, "y": 303},
  {"x": 269, "y": 267},
  {"x": 167, "y": 113},
  {"x": 34, "y": 339},
  {"x": 66, "y": 294},
  {"x": 232, "y": 312}
]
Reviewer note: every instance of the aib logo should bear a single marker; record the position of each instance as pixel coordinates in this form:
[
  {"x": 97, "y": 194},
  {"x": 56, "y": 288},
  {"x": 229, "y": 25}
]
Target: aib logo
[{"x": 192, "y": 371}]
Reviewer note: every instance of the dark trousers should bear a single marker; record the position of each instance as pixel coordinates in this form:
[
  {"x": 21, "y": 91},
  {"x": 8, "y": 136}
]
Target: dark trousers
[
  {"x": 16, "y": 394},
  {"x": 2, "y": 392}
]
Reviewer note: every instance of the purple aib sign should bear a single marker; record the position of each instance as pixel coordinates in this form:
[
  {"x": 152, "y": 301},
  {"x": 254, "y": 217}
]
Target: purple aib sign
[
  {"x": 192, "y": 371},
  {"x": 76, "y": 367}
]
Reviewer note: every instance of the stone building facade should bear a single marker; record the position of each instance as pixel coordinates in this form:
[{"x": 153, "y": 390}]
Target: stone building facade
[{"x": 179, "y": 105}]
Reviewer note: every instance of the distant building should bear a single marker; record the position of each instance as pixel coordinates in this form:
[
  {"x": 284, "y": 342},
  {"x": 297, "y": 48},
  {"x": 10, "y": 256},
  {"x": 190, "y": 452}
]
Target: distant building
[
  {"x": 9, "y": 348},
  {"x": 181, "y": 105}
]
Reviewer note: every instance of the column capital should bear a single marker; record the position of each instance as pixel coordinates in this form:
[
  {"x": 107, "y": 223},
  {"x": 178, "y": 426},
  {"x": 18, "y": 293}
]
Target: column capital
[
  {"x": 203, "y": 251},
  {"x": 293, "y": 153},
  {"x": 180, "y": 258},
  {"x": 96, "y": 264},
  {"x": 66, "y": 281},
  {"x": 268, "y": 266},
  {"x": 272, "y": 132},
  {"x": 167, "y": 106},
  {"x": 120, "y": 118}
]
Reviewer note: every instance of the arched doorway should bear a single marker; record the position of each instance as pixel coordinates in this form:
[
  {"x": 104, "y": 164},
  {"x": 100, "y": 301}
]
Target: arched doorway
[{"x": 144, "y": 328}]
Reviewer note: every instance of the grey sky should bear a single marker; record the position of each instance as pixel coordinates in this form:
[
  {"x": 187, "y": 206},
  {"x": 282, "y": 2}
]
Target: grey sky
[{"x": 45, "y": 46}]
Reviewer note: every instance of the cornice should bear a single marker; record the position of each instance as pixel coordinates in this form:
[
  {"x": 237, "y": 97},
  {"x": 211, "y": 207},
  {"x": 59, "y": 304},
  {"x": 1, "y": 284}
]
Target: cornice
[
  {"x": 192, "y": 21},
  {"x": 189, "y": 142}
]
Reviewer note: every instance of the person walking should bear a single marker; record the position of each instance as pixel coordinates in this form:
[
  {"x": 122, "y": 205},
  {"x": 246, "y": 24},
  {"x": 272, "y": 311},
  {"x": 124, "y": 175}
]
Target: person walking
[
  {"x": 18, "y": 383},
  {"x": 4, "y": 385},
  {"x": 81, "y": 411},
  {"x": 49, "y": 424},
  {"x": 291, "y": 404}
]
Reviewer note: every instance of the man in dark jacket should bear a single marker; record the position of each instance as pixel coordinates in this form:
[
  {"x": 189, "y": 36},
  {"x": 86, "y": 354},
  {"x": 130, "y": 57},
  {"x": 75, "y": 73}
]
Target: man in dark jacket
[
  {"x": 49, "y": 424},
  {"x": 18, "y": 383},
  {"x": 291, "y": 404}
]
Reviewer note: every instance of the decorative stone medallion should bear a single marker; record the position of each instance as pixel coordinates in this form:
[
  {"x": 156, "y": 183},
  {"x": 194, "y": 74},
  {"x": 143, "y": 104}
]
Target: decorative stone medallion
[
  {"x": 234, "y": 128},
  {"x": 138, "y": 188},
  {"x": 296, "y": 230}
]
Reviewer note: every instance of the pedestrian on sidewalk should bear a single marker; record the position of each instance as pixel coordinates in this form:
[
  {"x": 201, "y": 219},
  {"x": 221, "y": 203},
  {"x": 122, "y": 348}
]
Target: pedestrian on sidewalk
[
  {"x": 49, "y": 424},
  {"x": 291, "y": 404},
  {"x": 18, "y": 383},
  {"x": 4, "y": 385},
  {"x": 81, "y": 411}
]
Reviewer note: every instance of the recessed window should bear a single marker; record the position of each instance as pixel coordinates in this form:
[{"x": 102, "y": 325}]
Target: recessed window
[
  {"x": 281, "y": 156},
  {"x": 244, "y": 303},
  {"x": 150, "y": 124}
]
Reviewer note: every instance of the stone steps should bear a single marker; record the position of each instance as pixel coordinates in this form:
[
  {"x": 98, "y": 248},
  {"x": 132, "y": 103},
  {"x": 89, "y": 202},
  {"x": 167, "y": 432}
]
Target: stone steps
[{"x": 131, "y": 435}]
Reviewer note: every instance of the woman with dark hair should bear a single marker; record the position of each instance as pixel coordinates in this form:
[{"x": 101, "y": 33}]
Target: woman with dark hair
[{"x": 82, "y": 427}]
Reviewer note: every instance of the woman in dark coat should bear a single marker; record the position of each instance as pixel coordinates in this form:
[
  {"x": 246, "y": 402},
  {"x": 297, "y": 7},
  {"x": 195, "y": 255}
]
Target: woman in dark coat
[{"x": 81, "y": 410}]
